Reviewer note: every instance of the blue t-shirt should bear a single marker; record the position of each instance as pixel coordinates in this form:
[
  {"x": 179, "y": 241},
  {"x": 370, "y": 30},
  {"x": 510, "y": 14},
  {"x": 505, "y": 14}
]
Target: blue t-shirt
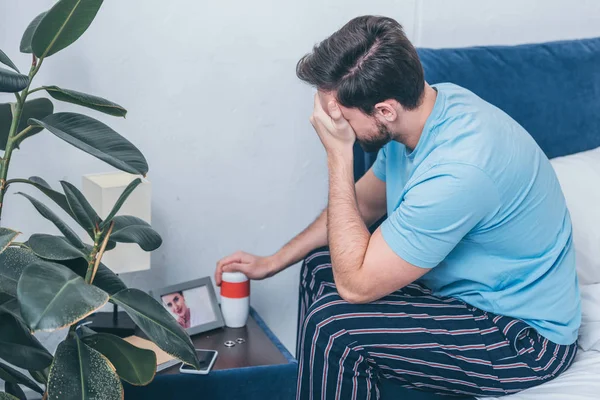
[{"x": 479, "y": 204}]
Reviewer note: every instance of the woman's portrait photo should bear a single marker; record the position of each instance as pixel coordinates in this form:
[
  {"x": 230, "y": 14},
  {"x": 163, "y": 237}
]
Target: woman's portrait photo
[{"x": 190, "y": 307}]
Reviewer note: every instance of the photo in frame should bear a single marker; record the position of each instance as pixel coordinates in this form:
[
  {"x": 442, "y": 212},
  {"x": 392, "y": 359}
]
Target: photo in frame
[{"x": 193, "y": 304}]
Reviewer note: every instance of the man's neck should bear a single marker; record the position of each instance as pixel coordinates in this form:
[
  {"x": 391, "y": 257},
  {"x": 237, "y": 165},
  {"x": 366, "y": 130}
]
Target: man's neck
[{"x": 415, "y": 120}]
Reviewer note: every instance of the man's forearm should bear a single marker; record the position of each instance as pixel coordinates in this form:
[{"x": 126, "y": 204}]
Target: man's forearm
[
  {"x": 348, "y": 235},
  {"x": 313, "y": 237}
]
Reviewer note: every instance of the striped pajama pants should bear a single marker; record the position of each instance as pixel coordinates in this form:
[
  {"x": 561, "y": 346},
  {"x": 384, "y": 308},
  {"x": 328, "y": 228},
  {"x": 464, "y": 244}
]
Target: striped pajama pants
[{"x": 421, "y": 341}]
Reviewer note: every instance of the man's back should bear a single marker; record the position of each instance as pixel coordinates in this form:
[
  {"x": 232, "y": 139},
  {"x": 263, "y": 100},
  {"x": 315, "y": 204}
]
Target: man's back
[{"x": 478, "y": 176}]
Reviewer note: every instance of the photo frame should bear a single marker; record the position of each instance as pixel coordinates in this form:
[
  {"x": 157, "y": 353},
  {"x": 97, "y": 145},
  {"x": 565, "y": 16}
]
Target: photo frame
[{"x": 193, "y": 304}]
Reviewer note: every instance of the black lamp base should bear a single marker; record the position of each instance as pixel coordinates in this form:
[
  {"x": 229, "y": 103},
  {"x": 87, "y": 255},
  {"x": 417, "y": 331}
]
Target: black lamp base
[{"x": 117, "y": 322}]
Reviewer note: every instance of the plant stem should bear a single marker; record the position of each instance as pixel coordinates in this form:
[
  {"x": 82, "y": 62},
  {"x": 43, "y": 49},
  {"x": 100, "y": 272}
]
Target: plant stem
[
  {"x": 17, "y": 180},
  {"x": 19, "y": 244},
  {"x": 92, "y": 259},
  {"x": 21, "y": 135},
  {"x": 36, "y": 89},
  {"x": 16, "y": 110},
  {"x": 11, "y": 181},
  {"x": 101, "y": 252}
]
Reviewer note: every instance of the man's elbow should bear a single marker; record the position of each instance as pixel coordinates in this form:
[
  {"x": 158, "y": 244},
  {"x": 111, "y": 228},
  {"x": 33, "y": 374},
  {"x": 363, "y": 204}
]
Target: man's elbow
[{"x": 354, "y": 296}]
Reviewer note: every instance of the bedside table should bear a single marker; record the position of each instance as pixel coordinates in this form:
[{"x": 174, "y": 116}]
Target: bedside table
[
  {"x": 257, "y": 349},
  {"x": 261, "y": 368}
]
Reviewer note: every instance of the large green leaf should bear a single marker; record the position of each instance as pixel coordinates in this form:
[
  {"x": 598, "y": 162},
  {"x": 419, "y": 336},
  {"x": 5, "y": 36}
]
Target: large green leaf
[
  {"x": 10, "y": 304},
  {"x": 111, "y": 244},
  {"x": 38, "y": 180},
  {"x": 52, "y": 296},
  {"x": 12, "y": 263},
  {"x": 56, "y": 248},
  {"x": 86, "y": 100},
  {"x": 122, "y": 198},
  {"x": 15, "y": 390},
  {"x": 25, "y": 46},
  {"x": 82, "y": 373},
  {"x": 62, "y": 25},
  {"x": 19, "y": 347},
  {"x": 40, "y": 376},
  {"x": 40, "y": 184},
  {"x": 97, "y": 139},
  {"x": 108, "y": 281},
  {"x": 134, "y": 365},
  {"x": 129, "y": 229},
  {"x": 12, "y": 307},
  {"x": 81, "y": 209},
  {"x": 52, "y": 217},
  {"x": 105, "y": 279},
  {"x": 5, "y": 122},
  {"x": 7, "y": 396},
  {"x": 37, "y": 108},
  {"x": 4, "y": 298},
  {"x": 6, "y": 238},
  {"x": 156, "y": 322},
  {"x": 9, "y": 374},
  {"x": 4, "y": 59},
  {"x": 12, "y": 82}
]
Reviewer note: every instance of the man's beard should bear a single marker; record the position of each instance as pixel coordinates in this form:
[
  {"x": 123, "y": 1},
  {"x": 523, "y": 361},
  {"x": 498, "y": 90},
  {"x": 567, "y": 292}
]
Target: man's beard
[{"x": 375, "y": 143}]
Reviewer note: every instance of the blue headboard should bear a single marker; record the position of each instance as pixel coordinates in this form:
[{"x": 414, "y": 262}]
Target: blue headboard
[{"x": 551, "y": 89}]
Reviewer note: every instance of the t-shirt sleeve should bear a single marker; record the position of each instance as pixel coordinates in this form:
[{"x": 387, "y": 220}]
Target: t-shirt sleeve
[
  {"x": 439, "y": 209},
  {"x": 379, "y": 164}
]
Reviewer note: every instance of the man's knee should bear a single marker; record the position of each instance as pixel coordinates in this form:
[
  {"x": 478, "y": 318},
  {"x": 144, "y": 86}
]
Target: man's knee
[
  {"x": 316, "y": 257},
  {"x": 313, "y": 262},
  {"x": 323, "y": 316}
]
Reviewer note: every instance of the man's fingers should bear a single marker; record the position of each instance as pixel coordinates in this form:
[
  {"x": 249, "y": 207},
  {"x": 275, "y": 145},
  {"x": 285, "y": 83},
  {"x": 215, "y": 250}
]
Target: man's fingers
[
  {"x": 246, "y": 258},
  {"x": 317, "y": 106},
  {"x": 336, "y": 115},
  {"x": 238, "y": 258},
  {"x": 334, "y": 111},
  {"x": 330, "y": 118},
  {"x": 218, "y": 273},
  {"x": 236, "y": 267},
  {"x": 235, "y": 257},
  {"x": 319, "y": 112}
]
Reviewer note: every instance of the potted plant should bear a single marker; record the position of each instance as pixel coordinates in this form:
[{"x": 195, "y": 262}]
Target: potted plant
[{"x": 51, "y": 282}]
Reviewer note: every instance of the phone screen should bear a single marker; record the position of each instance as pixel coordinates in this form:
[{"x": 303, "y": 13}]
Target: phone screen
[{"x": 205, "y": 358}]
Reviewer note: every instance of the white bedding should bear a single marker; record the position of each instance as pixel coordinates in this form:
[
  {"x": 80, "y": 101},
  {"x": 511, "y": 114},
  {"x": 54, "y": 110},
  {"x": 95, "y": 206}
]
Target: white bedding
[{"x": 582, "y": 380}]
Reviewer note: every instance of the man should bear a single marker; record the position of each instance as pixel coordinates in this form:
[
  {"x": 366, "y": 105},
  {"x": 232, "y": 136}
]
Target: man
[{"x": 469, "y": 285}]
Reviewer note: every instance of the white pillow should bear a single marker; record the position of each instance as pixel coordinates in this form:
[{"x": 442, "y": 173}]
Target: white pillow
[
  {"x": 579, "y": 177},
  {"x": 589, "y": 333}
]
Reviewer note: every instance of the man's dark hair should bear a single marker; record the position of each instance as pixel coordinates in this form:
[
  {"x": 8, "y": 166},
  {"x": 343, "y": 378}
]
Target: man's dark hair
[{"x": 367, "y": 61}]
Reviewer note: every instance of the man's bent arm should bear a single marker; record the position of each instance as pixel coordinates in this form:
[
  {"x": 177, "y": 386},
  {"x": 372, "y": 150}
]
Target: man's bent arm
[
  {"x": 371, "y": 199},
  {"x": 364, "y": 267}
]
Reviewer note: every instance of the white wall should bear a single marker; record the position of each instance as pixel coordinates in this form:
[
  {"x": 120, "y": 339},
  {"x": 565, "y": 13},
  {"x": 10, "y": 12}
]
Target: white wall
[{"x": 215, "y": 106}]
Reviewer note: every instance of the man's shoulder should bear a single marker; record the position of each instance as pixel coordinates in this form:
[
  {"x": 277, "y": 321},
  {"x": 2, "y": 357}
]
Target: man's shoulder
[
  {"x": 453, "y": 91},
  {"x": 453, "y": 175}
]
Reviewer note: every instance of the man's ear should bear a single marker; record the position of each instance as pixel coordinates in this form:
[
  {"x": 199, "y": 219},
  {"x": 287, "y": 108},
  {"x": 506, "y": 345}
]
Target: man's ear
[{"x": 386, "y": 110}]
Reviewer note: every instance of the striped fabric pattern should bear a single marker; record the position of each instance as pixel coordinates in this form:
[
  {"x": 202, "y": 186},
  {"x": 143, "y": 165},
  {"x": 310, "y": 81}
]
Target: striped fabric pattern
[{"x": 421, "y": 341}]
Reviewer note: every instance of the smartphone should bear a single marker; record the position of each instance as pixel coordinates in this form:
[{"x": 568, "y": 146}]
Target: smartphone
[{"x": 206, "y": 358}]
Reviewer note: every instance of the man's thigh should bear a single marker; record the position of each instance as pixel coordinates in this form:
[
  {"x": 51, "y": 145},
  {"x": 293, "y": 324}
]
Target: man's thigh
[
  {"x": 316, "y": 279},
  {"x": 431, "y": 343}
]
